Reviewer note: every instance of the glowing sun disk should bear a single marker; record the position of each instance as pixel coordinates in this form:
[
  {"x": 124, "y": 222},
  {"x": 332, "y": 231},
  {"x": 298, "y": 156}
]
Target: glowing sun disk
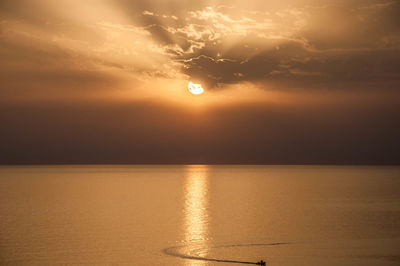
[{"x": 195, "y": 88}]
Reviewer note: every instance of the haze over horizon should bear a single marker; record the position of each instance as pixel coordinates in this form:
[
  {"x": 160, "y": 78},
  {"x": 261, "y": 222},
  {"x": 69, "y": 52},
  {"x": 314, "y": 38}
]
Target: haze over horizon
[{"x": 286, "y": 82}]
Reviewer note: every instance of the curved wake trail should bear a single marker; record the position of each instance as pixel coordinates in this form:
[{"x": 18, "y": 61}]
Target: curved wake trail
[{"x": 175, "y": 251}]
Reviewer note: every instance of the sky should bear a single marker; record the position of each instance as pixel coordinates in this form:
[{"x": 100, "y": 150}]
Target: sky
[{"x": 285, "y": 82}]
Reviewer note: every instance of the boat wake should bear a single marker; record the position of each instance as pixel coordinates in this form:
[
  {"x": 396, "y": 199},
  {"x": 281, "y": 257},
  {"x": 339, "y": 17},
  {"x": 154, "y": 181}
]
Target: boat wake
[{"x": 178, "y": 251}]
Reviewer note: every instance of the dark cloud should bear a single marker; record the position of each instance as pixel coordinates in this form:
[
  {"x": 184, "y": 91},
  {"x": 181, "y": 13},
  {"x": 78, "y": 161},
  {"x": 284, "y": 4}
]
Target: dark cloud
[
  {"x": 296, "y": 66},
  {"x": 160, "y": 34},
  {"x": 330, "y": 42},
  {"x": 142, "y": 132}
]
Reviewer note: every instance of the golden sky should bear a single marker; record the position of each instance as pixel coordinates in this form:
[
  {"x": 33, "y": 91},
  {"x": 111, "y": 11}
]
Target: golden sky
[{"x": 288, "y": 81}]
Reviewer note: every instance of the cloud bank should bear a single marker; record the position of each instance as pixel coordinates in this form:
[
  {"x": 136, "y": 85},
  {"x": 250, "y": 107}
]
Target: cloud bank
[{"x": 289, "y": 81}]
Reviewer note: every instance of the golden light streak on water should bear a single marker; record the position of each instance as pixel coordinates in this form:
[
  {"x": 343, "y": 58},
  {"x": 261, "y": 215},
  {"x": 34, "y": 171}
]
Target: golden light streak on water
[{"x": 196, "y": 212}]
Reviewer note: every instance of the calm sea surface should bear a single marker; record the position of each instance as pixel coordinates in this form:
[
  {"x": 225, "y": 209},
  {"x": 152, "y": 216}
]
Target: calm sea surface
[{"x": 195, "y": 215}]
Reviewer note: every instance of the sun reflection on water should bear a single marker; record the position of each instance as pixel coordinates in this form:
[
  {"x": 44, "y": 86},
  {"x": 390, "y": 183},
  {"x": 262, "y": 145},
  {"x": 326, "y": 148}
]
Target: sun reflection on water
[{"x": 196, "y": 212}]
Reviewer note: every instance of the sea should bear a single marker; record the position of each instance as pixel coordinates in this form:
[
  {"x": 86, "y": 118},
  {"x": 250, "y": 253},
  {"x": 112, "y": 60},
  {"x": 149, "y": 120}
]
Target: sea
[{"x": 198, "y": 215}]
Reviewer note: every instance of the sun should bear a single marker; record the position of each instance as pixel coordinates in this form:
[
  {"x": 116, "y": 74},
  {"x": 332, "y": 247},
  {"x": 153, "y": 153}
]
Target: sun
[{"x": 195, "y": 88}]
